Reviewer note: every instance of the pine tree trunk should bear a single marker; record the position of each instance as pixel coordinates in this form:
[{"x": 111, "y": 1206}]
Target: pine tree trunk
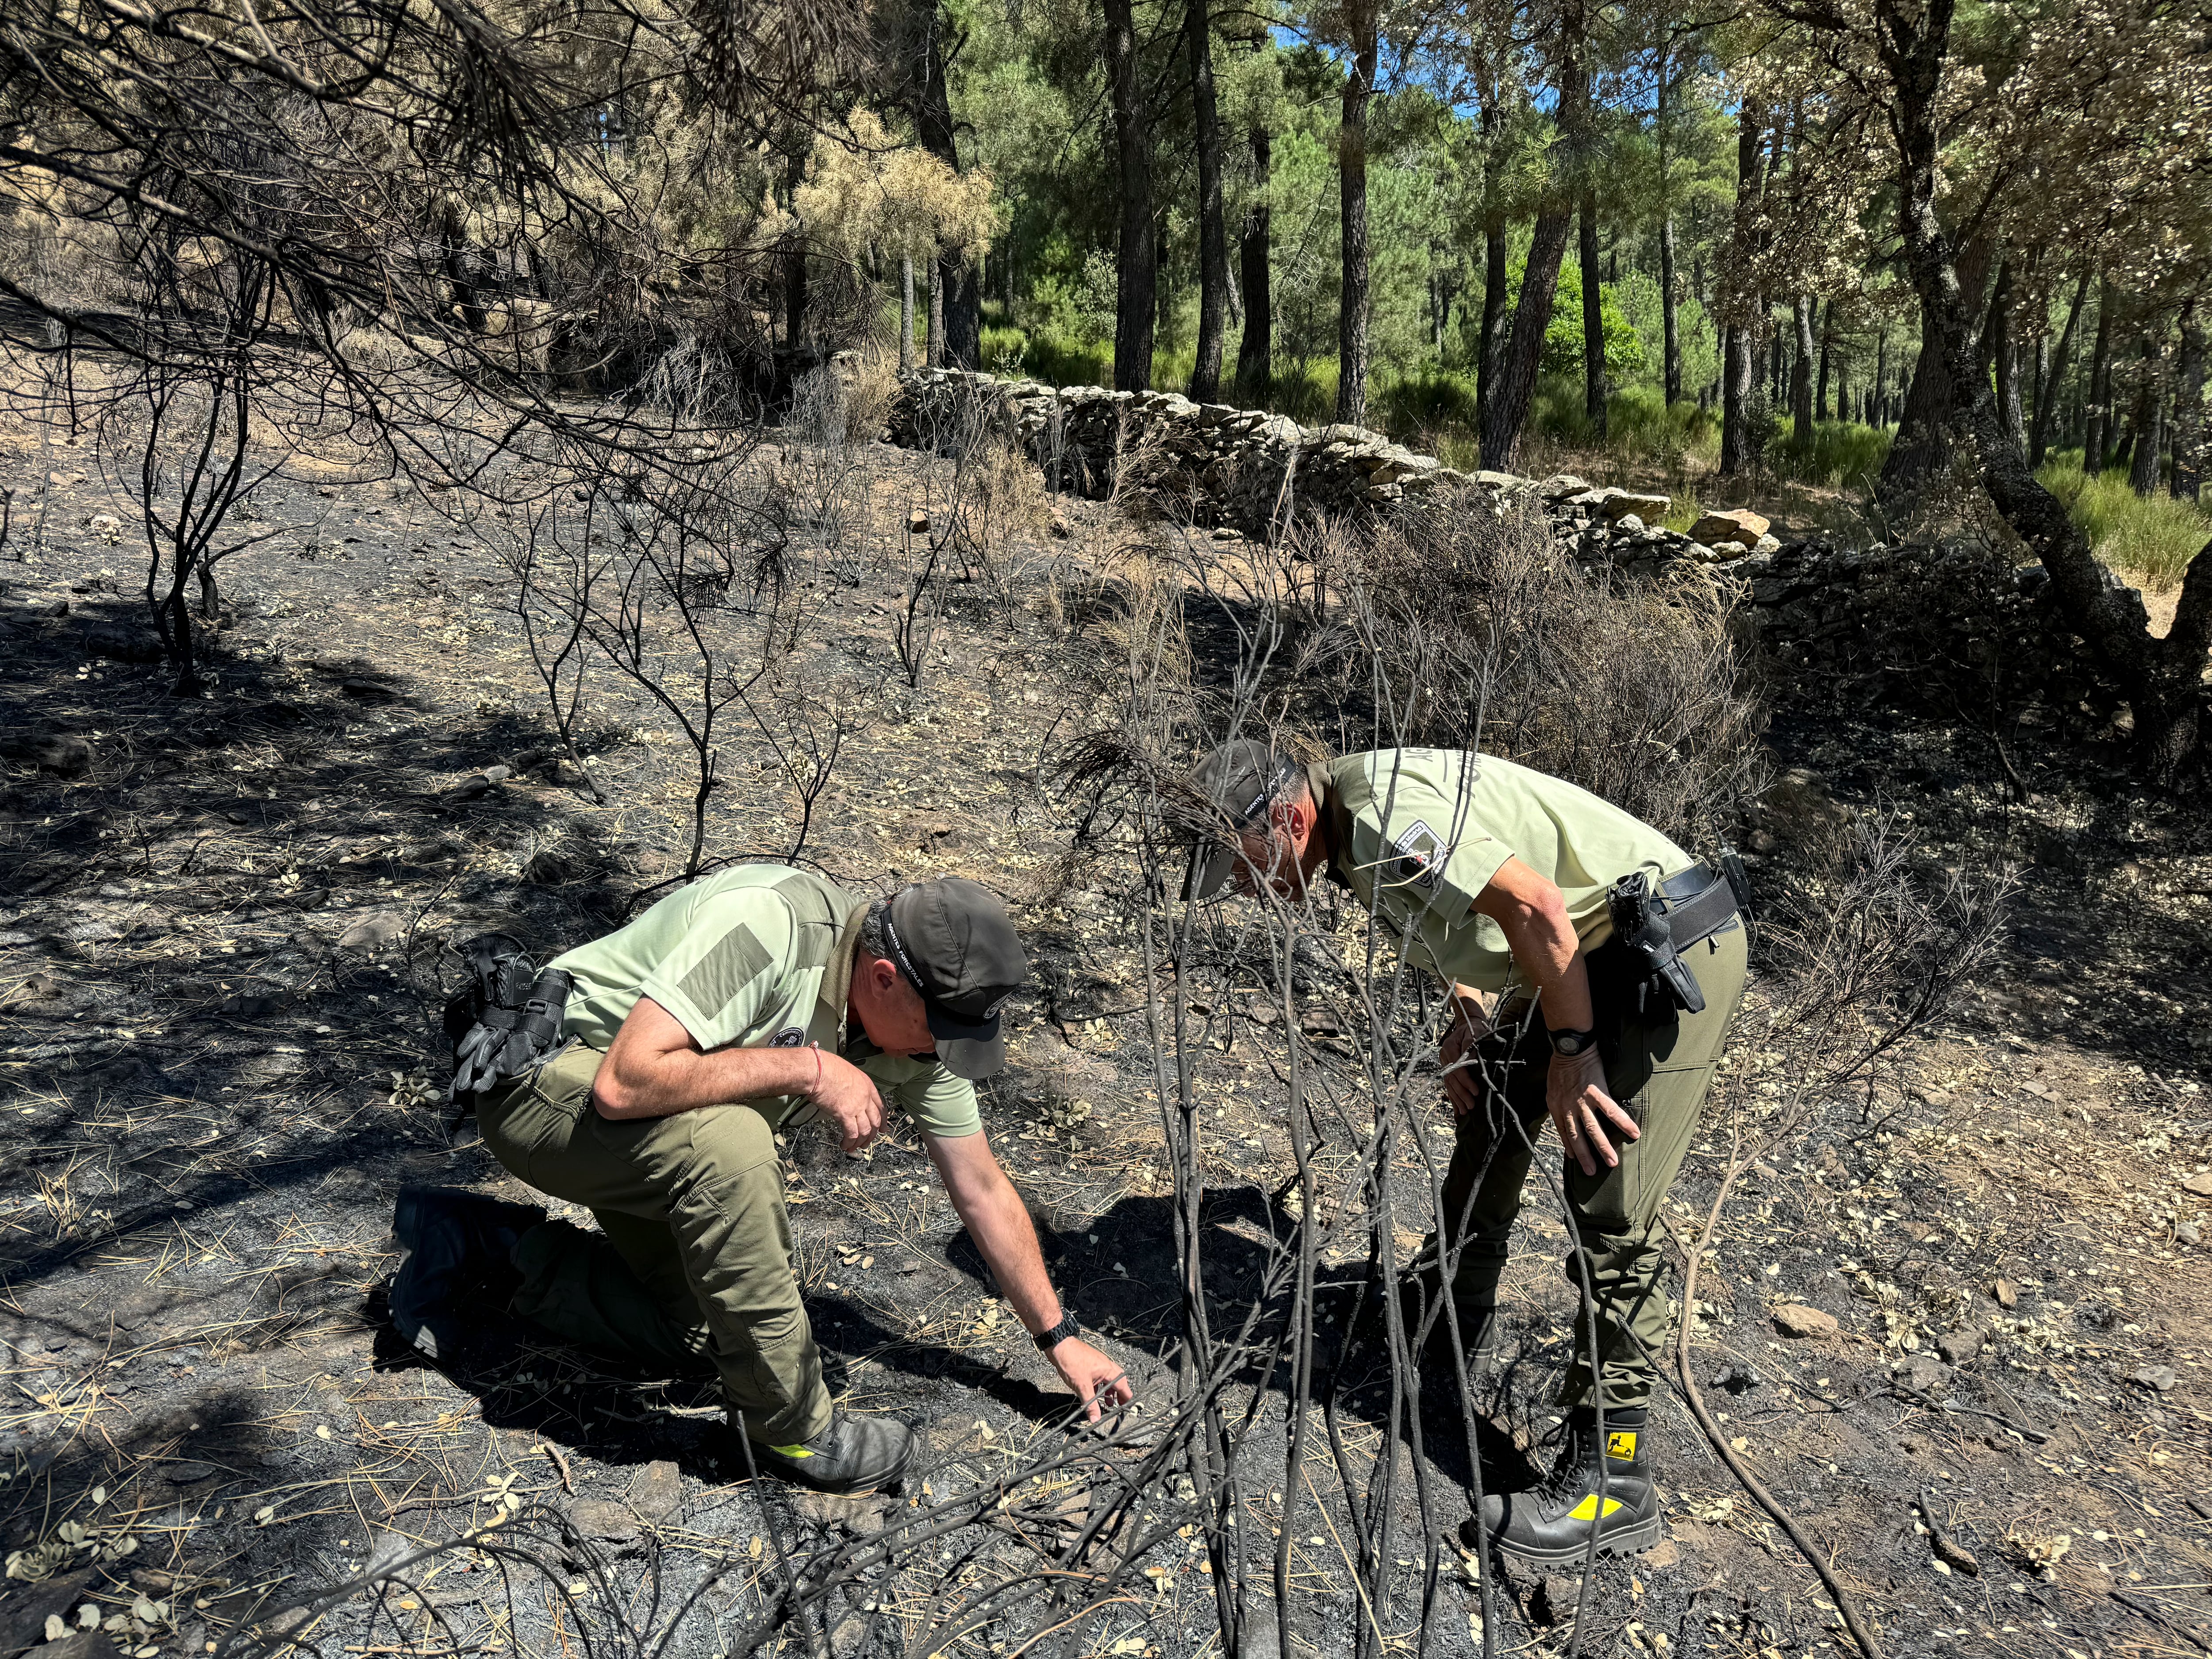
[
  {"x": 1496, "y": 321},
  {"x": 1136, "y": 260},
  {"x": 1879, "y": 417},
  {"x": 1255, "y": 351},
  {"x": 1801, "y": 373},
  {"x": 2189, "y": 409},
  {"x": 2039, "y": 437},
  {"x": 906, "y": 313},
  {"x": 2004, "y": 355},
  {"x": 794, "y": 260},
  {"x": 1670, "y": 362},
  {"x": 2160, "y": 675},
  {"x": 1739, "y": 365},
  {"x": 1592, "y": 319},
  {"x": 2097, "y": 434},
  {"x": 1827, "y": 351},
  {"x": 1352, "y": 296},
  {"x": 956, "y": 292},
  {"x": 1505, "y": 410},
  {"x": 1212, "y": 222},
  {"x": 2149, "y": 470}
]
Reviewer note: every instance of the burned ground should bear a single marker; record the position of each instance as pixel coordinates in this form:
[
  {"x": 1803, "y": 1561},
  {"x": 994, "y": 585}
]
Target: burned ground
[{"x": 220, "y": 960}]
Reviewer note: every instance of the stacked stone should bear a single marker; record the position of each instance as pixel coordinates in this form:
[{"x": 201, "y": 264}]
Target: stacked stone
[
  {"x": 1899, "y": 613},
  {"x": 1229, "y": 464}
]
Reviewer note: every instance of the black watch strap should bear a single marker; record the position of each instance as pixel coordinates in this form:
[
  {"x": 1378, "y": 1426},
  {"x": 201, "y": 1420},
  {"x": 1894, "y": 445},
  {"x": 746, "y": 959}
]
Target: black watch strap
[
  {"x": 1047, "y": 1340},
  {"x": 1572, "y": 1043}
]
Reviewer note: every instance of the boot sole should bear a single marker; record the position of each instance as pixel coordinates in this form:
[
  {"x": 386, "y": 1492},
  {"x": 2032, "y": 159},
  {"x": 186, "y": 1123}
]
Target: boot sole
[{"x": 1628, "y": 1540}]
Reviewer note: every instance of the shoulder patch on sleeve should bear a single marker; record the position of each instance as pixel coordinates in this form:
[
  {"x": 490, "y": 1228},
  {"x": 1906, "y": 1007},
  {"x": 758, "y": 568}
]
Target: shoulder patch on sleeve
[
  {"x": 1421, "y": 857},
  {"x": 737, "y": 960}
]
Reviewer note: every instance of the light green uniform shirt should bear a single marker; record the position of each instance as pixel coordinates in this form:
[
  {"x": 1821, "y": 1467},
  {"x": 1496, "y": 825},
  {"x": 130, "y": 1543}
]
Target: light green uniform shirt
[
  {"x": 1417, "y": 833},
  {"x": 757, "y": 955}
]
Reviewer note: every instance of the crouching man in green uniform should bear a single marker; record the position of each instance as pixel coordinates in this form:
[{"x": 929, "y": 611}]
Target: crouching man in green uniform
[
  {"x": 752, "y": 1000},
  {"x": 1617, "y": 962}
]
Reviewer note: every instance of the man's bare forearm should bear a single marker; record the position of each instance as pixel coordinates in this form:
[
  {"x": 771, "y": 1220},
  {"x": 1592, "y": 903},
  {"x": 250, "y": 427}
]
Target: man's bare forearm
[
  {"x": 998, "y": 1222},
  {"x": 660, "y": 1085}
]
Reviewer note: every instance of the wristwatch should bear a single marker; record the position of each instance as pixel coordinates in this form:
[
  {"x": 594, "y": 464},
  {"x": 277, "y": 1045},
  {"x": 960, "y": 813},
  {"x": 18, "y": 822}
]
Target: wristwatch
[
  {"x": 1570, "y": 1044},
  {"x": 1047, "y": 1340}
]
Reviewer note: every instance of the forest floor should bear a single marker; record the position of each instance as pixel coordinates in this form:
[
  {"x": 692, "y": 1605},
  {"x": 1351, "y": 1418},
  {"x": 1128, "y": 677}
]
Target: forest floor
[{"x": 219, "y": 925}]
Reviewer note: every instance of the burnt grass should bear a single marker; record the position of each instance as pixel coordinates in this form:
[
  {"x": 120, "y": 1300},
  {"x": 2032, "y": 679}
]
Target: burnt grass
[{"x": 224, "y": 924}]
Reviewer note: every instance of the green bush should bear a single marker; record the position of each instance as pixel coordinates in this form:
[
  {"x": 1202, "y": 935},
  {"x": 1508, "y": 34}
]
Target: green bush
[{"x": 2151, "y": 538}]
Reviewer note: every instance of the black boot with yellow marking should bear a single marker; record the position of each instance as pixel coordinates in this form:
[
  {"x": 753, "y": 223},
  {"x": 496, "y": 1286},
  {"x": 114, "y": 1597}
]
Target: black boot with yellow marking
[{"x": 1552, "y": 1522}]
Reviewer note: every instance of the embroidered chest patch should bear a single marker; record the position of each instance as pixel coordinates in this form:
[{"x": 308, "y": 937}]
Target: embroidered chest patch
[{"x": 791, "y": 1037}]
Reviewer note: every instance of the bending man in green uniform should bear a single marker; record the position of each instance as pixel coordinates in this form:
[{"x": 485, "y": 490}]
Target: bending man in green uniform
[
  {"x": 1630, "y": 956},
  {"x": 754, "y": 999}
]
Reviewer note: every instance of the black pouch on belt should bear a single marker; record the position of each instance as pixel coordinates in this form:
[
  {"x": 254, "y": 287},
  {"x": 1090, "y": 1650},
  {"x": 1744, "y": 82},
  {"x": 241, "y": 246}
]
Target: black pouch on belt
[
  {"x": 504, "y": 1020},
  {"x": 1641, "y": 924}
]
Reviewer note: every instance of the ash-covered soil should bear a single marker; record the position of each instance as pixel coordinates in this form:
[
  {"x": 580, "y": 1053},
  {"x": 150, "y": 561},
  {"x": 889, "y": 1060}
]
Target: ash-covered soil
[{"x": 221, "y": 929}]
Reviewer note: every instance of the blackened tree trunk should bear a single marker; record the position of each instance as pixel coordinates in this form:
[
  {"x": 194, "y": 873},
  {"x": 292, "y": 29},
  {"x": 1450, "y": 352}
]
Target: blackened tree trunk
[
  {"x": 1592, "y": 318},
  {"x": 459, "y": 258},
  {"x": 2004, "y": 355},
  {"x": 1490, "y": 337},
  {"x": 1880, "y": 416},
  {"x": 1353, "y": 299},
  {"x": 1925, "y": 441},
  {"x": 1843, "y": 386},
  {"x": 2189, "y": 408},
  {"x": 794, "y": 256},
  {"x": 956, "y": 289},
  {"x": 1213, "y": 221},
  {"x": 1801, "y": 373},
  {"x": 1739, "y": 343},
  {"x": 1256, "y": 357},
  {"x": 1136, "y": 259},
  {"x": 2040, "y": 436},
  {"x": 1505, "y": 408},
  {"x": 2148, "y": 472},
  {"x": 2159, "y": 676},
  {"x": 2097, "y": 434}
]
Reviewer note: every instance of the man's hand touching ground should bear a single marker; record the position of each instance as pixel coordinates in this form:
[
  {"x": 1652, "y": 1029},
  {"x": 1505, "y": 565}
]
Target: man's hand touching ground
[
  {"x": 847, "y": 1094},
  {"x": 1097, "y": 1380},
  {"x": 1585, "y": 1113}
]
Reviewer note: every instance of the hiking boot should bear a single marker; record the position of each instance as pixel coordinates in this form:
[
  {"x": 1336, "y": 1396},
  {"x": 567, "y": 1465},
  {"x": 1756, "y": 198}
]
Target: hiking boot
[
  {"x": 1474, "y": 1294},
  {"x": 457, "y": 1267},
  {"x": 1552, "y": 1522},
  {"x": 853, "y": 1453}
]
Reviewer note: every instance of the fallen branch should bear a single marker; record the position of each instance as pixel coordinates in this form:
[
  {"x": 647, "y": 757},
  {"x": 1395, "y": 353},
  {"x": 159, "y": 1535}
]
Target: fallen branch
[{"x": 1854, "y": 1620}]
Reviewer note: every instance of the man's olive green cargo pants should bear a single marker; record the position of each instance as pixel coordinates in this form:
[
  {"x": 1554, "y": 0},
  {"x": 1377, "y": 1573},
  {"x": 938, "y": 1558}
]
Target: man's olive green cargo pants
[
  {"x": 692, "y": 1264},
  {"x": 1658, "y": 1065}
]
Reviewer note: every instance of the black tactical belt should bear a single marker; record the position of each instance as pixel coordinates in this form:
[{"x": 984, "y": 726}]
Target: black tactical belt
[{"x": 1657, "y": 925}]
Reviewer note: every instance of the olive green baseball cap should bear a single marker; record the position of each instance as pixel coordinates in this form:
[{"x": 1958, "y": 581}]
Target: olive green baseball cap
[
  {"x": 955, "y": 943},
  {"x": 1239, "y": 779}
]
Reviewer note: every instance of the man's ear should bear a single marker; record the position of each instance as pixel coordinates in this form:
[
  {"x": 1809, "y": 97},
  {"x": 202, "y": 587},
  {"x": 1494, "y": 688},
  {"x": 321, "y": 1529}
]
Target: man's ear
[{"x": 1292, "y": 819}]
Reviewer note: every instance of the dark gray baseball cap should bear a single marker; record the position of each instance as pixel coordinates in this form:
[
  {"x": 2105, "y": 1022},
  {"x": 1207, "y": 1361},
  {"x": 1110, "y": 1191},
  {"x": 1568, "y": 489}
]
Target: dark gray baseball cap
[
  {"x": 1240, "y": 779},
  {"x": 956, "y": 945}
]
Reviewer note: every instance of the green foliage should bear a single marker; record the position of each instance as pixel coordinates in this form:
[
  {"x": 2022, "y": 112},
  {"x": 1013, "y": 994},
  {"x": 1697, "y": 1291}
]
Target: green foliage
[
  {"x": 2151, "y": 537},
  {"x": 1562, "y": 340},
  {"x": 1842, "y": 452},
  {"x": 1638, "y": 424}
]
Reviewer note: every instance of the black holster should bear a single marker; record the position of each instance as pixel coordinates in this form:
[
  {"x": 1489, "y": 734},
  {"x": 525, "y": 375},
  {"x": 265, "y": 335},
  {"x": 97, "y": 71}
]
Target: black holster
[
  {"x": 1656, "y": 924},
  {"x": 504, "y": 1021}
]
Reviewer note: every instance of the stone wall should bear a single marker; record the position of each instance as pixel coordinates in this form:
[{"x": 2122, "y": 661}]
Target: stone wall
[{"x": 1955, "y": 624}]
